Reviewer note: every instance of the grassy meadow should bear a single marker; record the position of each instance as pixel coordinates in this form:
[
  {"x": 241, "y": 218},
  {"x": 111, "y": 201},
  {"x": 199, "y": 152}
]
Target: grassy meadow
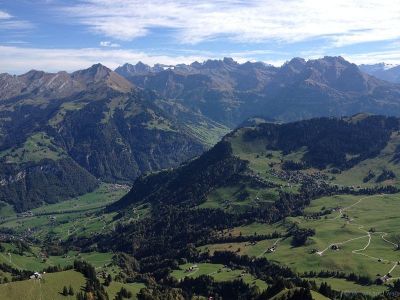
[
  {"x": 364, "y": 231},
  {"x": 218, "y": 272}
]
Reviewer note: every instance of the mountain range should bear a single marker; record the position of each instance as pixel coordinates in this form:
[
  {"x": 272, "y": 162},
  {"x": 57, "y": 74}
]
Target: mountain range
[
  {"x": 383, "y": 71},
  {"x": 62, "y": 133},
  {"x": 229, "y": 92}
]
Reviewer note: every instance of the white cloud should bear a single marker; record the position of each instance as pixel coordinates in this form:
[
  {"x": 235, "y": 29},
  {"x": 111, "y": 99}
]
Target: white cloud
[
  {"x": 342, "y": 22},
  {"x": 18, "y": 60},
  {"x": 387, "y": 56},
  {"x": 16, "y": 42},
  {"x": 9, "y": 22},
  {"x": 4, "y": 15},
  {"x": 109, "y": 44}
]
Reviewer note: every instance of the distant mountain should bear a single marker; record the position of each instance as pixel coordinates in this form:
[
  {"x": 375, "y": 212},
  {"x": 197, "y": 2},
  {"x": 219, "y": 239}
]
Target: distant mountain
[
  {"x": 228, "y": 92},
  {"x": 61, "y": 133},
  {"x": 61, "y": 84},
  {"x": 383, "y": 71}
]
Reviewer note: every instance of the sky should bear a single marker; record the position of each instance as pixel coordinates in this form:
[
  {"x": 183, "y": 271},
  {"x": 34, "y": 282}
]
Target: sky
[{"x": 53, "y": 35}]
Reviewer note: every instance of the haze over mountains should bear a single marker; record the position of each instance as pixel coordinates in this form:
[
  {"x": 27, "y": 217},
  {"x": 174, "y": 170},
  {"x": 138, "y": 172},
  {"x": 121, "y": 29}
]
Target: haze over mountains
[
  {"x": 383, "y": 71},
  {"x": 60, "y": 133},
  {"x": 229, "y": 92}
]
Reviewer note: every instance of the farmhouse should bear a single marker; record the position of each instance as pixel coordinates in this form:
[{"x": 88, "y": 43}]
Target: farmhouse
[
  {"x": 383, "y": 279},
  {"x": 25, "y": 214},
  {"x": 192, "y": 268},
  {"x": 335, "y": 247},
  {"x": 36, "y": 275}
]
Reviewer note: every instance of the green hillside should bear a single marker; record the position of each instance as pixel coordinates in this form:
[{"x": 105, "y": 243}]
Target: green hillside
[
  {"x": 49, "y": 288},
  {"x": 52, "y": 284},
  {"x": 273, "y": 211}
]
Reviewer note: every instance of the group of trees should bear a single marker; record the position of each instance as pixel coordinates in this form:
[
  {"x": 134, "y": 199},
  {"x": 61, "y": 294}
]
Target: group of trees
[
  {"x": 68, "y": 291},
  {"x": 108, "y": 280},
  {"x": 290, "y": 165},
  {"x": 385, "y": 175},
  {"x": 123, "y": 293},
  {"x": 360, "y": 279},
  {"x": 16, "y": 274},
  {"x": 66, "y": 180},
  {"x": 300, "y": 235},
  {"x": 244, "y": 238},
  {"x": 93, "y": 288}
]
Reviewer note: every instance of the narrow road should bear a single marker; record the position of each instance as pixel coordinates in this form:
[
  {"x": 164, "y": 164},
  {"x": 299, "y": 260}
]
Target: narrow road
[
  {"x": 368, "y": 234},
  {"x": 340, "y": 243}
]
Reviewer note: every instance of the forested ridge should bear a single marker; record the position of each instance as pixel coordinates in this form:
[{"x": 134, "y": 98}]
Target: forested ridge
[{"x": 329, "y": 140}]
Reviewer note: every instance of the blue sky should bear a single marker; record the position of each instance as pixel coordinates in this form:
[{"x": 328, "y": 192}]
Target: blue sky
[{"x": 67, "y": 35}]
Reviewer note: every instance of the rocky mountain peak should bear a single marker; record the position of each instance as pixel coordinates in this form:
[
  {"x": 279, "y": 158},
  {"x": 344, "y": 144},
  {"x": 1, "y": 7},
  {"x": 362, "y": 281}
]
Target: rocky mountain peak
[{"x": 98, "y": 74}]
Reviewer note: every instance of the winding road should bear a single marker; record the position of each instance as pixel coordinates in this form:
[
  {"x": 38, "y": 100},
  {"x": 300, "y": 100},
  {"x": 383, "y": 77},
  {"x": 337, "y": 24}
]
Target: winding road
[{"x": 367, "y": 235}]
